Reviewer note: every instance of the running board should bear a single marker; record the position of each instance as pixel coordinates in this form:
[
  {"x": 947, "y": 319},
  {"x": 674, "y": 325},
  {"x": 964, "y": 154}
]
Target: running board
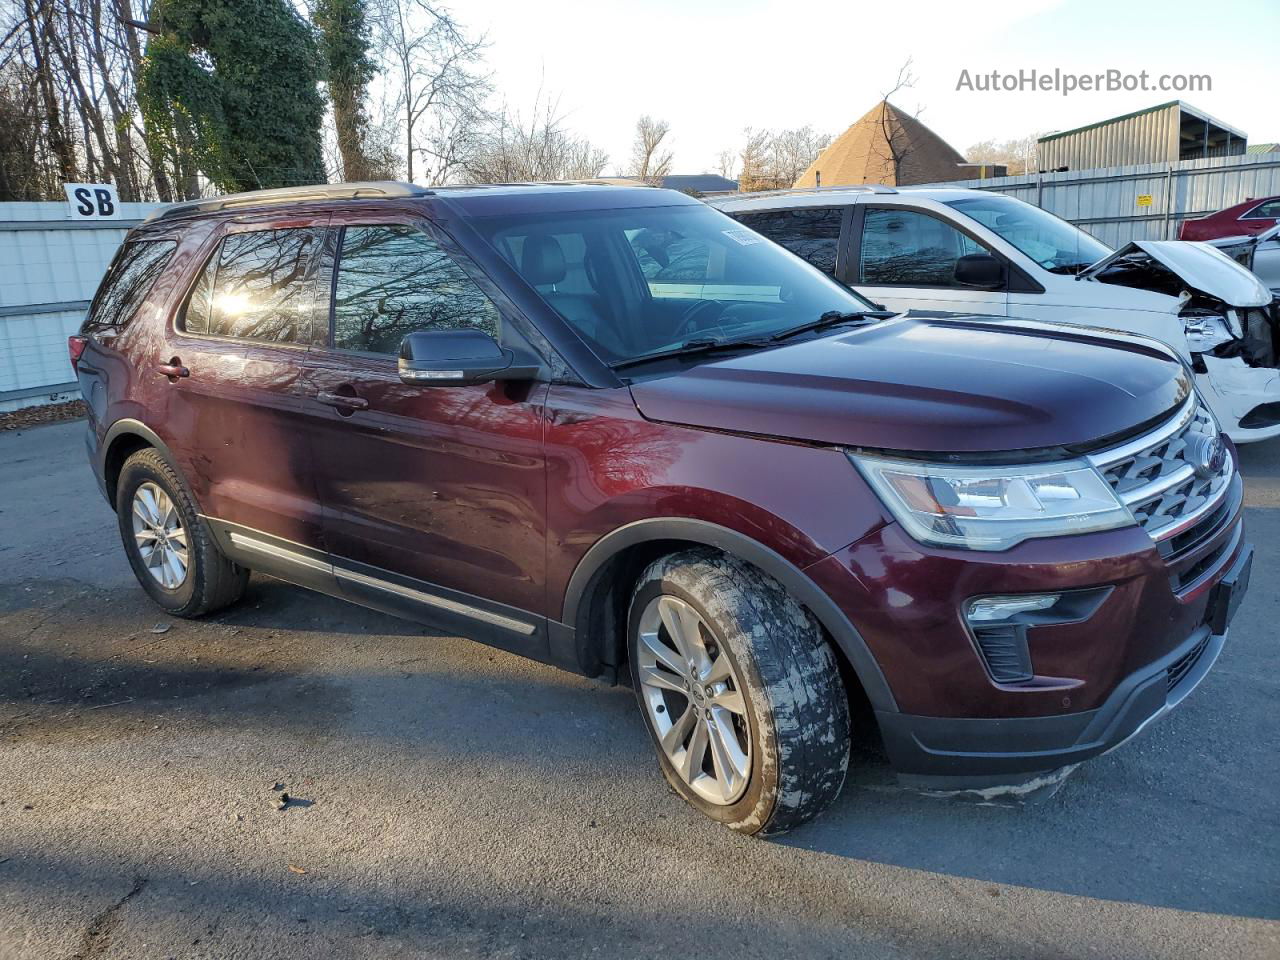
[{"x": 369, "y": 586}]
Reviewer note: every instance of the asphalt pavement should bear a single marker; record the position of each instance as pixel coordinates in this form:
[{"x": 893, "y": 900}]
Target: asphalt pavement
[{"x": 451, "y": 800}]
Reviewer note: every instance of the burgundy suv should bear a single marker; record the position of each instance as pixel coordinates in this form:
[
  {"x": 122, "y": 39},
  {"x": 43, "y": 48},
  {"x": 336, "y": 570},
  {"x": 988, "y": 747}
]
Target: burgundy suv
[{"x": 613, "y": 430}]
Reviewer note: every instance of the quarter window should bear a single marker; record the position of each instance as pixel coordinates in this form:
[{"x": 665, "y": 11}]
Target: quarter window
[
  {"x": 396, "y": 280},
  {"x": 135, "y": 270},
  {"x": 259, "y": 286},
  {"x": 911, "y": 249},
  {"x": 812, "y": 233}
]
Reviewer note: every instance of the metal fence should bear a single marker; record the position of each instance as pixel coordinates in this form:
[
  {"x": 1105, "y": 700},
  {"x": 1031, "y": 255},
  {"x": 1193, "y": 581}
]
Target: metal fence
[
  {"x": 50, "y": 267},
  {"x": 1145, "y": 201}
]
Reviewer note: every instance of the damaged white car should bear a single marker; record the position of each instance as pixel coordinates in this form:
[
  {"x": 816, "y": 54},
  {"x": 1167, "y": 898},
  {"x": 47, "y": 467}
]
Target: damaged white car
[
  {"x": 1259, "y": 254},
  {"x": 971, "y": 251}
]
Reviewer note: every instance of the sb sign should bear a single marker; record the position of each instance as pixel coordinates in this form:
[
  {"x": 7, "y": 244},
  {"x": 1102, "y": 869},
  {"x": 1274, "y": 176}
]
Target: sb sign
[
  {"x": 1144, "y": 199},
  {"x": 92, "y": 201}
]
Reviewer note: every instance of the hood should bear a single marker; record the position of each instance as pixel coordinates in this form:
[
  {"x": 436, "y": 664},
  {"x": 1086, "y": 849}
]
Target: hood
[
  {"x": 1201, "y": 267},
  {"x": 960, "y": 385}
]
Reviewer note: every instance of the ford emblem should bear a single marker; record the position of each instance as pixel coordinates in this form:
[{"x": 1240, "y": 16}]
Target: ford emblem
[{"x": 1207, "y": 455}]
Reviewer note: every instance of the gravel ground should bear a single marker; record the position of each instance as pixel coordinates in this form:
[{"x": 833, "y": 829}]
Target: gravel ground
[{"x": 452, "y": 800}]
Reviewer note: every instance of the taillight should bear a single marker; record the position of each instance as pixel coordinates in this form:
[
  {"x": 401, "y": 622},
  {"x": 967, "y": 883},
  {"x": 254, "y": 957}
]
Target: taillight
[{"x": 75, "y": 347}]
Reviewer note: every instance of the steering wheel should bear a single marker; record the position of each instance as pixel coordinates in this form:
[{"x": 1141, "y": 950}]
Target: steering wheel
[{"x": 689, "y": 320}]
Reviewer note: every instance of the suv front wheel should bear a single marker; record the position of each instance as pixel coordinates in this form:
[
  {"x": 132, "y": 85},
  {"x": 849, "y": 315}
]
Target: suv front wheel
[
  {"x": 169, "y": 545},
  {"x": 739, "y": 689}
]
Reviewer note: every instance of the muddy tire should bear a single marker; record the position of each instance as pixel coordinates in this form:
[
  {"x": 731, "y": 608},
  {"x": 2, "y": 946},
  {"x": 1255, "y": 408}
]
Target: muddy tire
[
  {"x": 740, "y": 691},
  {"x": 169, "y": 545}
]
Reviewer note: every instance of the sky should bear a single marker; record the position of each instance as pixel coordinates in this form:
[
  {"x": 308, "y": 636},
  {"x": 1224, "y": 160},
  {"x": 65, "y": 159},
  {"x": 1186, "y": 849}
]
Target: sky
[{"x": 711, "y": 67}]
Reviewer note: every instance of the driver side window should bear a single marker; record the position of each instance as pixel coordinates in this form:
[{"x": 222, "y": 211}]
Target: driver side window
[
  {"x": 907, "y": 248},
  {"x": 394, "y": 280}
]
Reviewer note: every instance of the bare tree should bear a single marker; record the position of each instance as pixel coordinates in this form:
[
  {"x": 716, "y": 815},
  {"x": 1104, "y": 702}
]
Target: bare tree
[
  {"x": 727, "y": 164},
  {"x": 771, "y": 160},
  {"x": 72, "y": 67},
  {"x": 512, "y": 150},
  {"x": 894, "y": 147},
  {"x": 793, "y": 152},
  {"x": 39, "y": 29},
  {"x": 1018, "y": 155},
  {"x": 437, "y": 69},
  {"x": 649, "y": 162},
  {"x": 753, "y": 161}
]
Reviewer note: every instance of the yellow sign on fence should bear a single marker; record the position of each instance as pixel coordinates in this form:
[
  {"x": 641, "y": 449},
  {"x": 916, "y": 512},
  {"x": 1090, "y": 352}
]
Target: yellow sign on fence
[{"x": 1144, "y": 199}]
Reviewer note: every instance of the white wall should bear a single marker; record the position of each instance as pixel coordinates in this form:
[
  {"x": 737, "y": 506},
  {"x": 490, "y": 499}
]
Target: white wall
[{"x": 50, "y": 267}]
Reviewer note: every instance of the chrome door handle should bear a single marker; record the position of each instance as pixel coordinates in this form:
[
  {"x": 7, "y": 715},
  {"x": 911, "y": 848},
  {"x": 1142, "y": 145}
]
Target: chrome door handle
[{"x": 342, "y": 401}]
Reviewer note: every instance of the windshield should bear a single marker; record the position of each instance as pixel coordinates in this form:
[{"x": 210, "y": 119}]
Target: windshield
[
  {"x": 635, "y": 282},
  {"x": 1051, "y": 242}
]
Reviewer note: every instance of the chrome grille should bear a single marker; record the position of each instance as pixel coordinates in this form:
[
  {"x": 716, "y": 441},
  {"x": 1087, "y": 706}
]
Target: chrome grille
[{"x": 1159, "y": 476}]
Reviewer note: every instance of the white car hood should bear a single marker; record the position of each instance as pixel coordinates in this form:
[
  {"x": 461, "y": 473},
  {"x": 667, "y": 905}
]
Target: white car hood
[{"x": 1200, "y": 266}]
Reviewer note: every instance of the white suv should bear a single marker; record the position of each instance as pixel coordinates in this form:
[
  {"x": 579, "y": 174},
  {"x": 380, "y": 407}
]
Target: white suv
[{"x": 971, "y": 251}]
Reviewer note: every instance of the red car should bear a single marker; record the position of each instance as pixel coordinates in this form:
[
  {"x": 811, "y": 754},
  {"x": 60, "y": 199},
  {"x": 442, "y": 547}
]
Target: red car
[
  {"x": 1243, "y": 220},
  {"x": 616, "y": 431}
]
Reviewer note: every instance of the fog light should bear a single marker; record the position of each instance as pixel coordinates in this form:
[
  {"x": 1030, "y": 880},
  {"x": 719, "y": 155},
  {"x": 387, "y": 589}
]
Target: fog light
[
  {"x": 989, "y": 609},
  {"x": 999, "y": 626}
]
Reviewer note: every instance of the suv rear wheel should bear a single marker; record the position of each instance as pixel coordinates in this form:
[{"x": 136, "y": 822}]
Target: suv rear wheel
[
  {"x": 740, "y": 691},
  {"x": 169, "y": 545}
]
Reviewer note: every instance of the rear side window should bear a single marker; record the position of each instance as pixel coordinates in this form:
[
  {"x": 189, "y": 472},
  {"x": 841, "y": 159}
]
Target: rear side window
[
  {"x": 128, "y": 281},
  {"x": 259, "y": 286},
  {"x": 810, "y": 233},
  {"x": 1267, "y": 211},
  {"x": 396, "y": 280}
]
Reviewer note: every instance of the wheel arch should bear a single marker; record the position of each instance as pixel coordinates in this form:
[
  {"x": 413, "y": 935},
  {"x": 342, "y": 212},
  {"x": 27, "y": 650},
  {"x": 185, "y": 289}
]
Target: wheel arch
[
  {"x": 594, "y": 612},
  {"x": 123, "y": 439}
]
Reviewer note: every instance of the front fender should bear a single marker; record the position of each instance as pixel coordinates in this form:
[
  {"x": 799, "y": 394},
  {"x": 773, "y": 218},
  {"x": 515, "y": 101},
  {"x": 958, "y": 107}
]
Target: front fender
[{"x": 584, "y": 581}]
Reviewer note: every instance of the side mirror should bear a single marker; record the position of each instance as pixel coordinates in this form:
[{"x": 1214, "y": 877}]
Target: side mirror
[
  {"x": 458, "y": 358},
  {"x": 980, "y": 270}
]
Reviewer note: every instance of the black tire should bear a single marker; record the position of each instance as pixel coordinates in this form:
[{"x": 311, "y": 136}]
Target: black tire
[
  {"x": 797, "y": 709},
  {"x": 212, "y": 581}
]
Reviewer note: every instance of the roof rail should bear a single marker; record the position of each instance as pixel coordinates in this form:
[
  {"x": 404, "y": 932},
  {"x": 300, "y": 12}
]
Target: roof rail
[
  {"x": 790, "y": 191},
  {"x": 319, "y": 191}
]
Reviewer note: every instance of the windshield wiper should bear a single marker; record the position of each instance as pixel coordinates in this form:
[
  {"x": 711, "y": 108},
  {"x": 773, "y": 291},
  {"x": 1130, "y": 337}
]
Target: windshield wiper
[
  {"x": 692, "y": 348},
  {"x": 833, "y": 318}
]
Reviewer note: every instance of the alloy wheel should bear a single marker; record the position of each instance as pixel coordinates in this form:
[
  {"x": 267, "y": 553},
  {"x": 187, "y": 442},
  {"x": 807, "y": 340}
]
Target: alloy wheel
[
  {"x": 160, "y": 536},
  {"x": 694, "y": 699}
]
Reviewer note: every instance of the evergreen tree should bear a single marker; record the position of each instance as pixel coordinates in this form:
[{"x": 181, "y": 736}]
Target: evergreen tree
[
  {"x": 230, "y": 87},
  {"x": 344, "y": 45}
]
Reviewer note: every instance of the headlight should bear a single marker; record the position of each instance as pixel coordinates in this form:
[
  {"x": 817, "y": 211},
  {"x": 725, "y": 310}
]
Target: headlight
[
  {"x": 1206, "y": 331},
  {"x": 993, "y": 508}
]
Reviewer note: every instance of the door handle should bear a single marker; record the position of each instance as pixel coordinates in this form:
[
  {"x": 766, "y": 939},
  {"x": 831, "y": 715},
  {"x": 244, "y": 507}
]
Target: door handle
[
  {"x": 173, "y": 370},
  {"x": 342, "y": 401}
]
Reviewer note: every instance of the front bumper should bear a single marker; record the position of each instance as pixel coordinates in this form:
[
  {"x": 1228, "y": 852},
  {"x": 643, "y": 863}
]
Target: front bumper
[
  {"x": 1098, "y": 682},
  {"x": 1004, "y": 755}
]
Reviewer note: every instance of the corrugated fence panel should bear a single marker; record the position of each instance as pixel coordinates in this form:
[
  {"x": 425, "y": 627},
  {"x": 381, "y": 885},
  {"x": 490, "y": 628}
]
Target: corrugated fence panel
[
  {"x": 50, "y": 267},
  {"x": 33, "y": 350},
  {"x": 1105, "y": 201}
]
